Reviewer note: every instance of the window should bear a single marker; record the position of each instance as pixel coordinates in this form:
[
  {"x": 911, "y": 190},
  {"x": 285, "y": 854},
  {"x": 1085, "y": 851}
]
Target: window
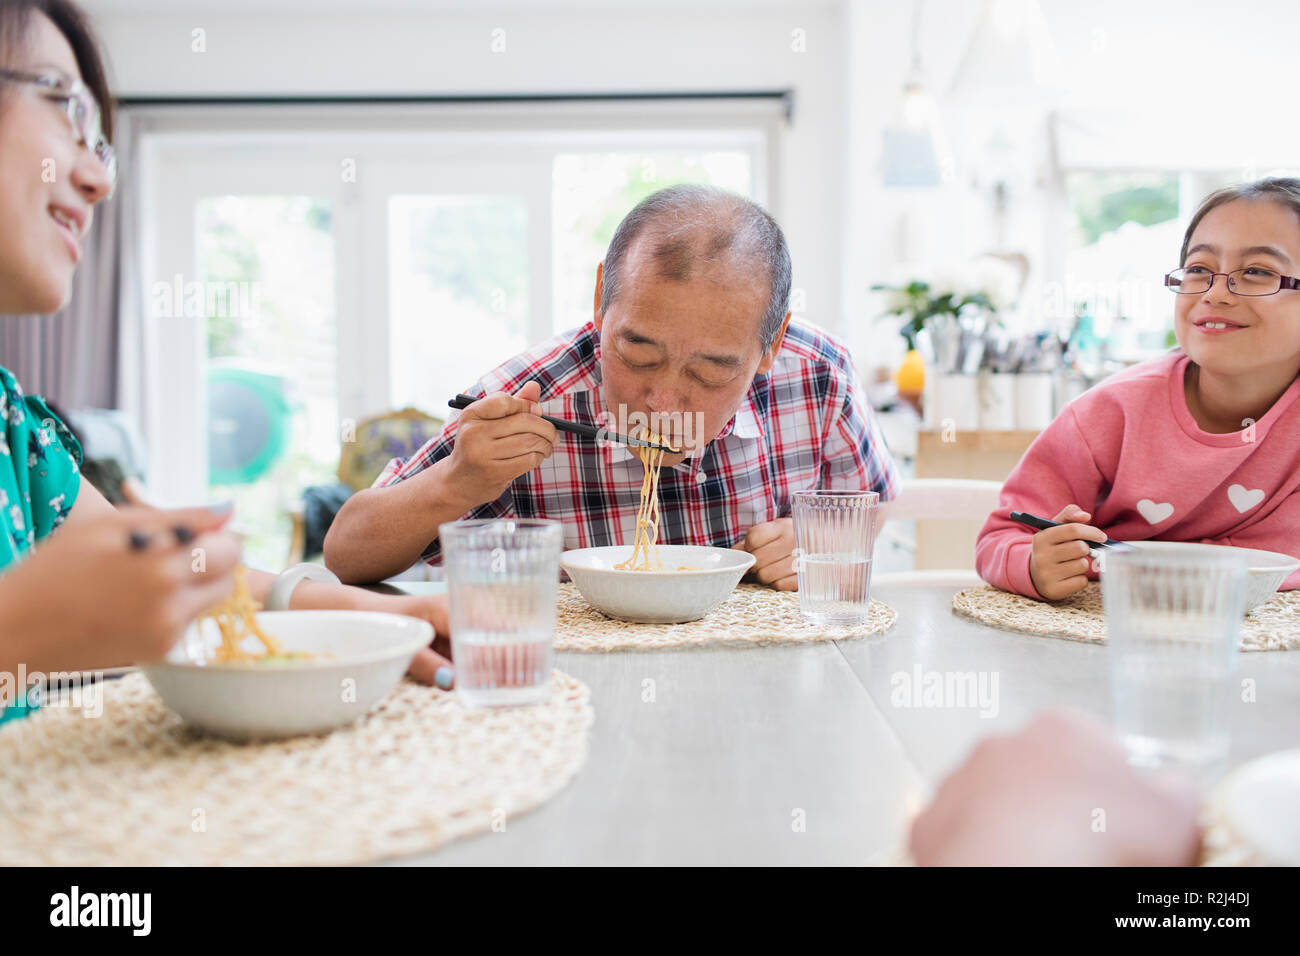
[
  {"x": 1125, "y": 231},
  {"x": 458, "y": 289},
  {"x": 272, "y": 383},
  {"x": 386, "y": 270},
  {"x": 593, "y": 191}
]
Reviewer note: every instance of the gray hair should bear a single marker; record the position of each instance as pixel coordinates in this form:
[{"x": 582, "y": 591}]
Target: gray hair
[{"x": 700, "y": 223}]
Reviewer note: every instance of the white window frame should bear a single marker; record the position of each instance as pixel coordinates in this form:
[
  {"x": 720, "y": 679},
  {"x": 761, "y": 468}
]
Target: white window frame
[{"x": 397, "y": 150}]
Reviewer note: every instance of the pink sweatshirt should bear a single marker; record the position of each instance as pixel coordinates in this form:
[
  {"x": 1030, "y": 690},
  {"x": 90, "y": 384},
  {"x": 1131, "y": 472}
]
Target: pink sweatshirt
[{"x": 1129, "y": 452}]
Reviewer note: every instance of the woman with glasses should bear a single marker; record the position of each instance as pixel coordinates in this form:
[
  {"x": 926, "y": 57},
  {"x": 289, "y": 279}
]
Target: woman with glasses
[
  {"x": 83, "y": 585},
  {"x": 1201, "y": 444}
]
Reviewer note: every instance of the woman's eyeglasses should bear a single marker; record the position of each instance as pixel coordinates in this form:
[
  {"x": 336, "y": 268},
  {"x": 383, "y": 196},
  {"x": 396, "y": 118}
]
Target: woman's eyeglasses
[
  {"x": 81, "y": 107},
  {"x": 1197, "y": 280}
]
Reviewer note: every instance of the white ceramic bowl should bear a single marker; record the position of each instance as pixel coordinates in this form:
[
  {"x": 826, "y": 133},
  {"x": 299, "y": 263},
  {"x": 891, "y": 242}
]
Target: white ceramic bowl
[
  {"x": 657, "y": 597},
  {"x": 1259, "y": 801},
  {"x": 1266, "y": 570},
  {"x": 267, "y": 701}
]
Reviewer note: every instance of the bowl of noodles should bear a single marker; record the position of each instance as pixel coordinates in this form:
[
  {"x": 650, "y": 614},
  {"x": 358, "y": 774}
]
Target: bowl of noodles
[
  {"x": 247, "y": 675},
  {"x": 684, "y": 584}
]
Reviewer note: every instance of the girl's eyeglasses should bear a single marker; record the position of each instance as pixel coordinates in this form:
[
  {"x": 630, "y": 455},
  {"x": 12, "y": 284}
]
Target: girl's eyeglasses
[
  {"x": 1253, "y": 281},
  {"x": 81, "y": 107}
]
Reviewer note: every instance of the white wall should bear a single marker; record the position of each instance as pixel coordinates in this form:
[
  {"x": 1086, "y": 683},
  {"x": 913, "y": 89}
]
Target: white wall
[
  {"x": 562, "y": 49},
  {"x": 846, "y": 230}
]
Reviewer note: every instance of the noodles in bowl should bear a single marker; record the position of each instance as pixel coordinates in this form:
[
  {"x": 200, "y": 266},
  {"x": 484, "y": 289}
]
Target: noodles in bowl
[
  {"x": 236, "y": 619},
  {"x": 327, "y": 669},
  {"x": 657, "y": 596}
]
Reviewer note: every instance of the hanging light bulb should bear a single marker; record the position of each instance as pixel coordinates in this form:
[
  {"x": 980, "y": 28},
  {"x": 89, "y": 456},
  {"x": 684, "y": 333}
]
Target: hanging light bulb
[
  {"x": 915, "y": 150},
  {"x": 918, "y": 111}
]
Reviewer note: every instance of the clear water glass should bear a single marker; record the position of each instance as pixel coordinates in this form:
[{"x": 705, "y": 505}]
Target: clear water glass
[
  {"x": 1173, "y": 620},
  {"x": 502, "y": 577},
  {"x": 834, "y": 532}
]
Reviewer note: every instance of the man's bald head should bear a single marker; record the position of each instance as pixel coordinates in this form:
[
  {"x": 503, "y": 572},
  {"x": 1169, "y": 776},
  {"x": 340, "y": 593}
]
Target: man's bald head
[{"x": 689, "y": 230}]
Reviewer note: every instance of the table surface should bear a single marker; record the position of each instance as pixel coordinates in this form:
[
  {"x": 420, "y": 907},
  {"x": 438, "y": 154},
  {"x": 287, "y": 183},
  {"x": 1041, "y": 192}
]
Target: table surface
[{"x": 812, "y": 754}]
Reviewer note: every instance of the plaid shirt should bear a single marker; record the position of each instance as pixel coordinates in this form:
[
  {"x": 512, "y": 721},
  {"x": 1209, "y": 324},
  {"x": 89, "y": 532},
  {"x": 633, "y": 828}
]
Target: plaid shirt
[{"x": 804, "y": 425}]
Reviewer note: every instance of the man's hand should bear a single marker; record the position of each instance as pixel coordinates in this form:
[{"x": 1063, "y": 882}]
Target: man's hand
[
  {"x": 499, "y": 438},
  {"x": 1035, "y": 798},
  {"x": 772, "y": 545},
  {"x": 1059, "y": 563}
]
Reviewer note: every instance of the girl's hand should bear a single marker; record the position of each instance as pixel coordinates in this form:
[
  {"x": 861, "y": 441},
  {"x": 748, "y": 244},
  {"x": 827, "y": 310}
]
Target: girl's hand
[
  {"x": 87, "y": 598},
  {"x": 1061, "y": 557},
  {"x": 431, "y": 665}
]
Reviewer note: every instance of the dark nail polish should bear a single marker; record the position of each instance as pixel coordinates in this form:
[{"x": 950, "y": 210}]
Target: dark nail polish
[
  {"x": 183, "y": 534},
  {"x": 138, "y": 540}
]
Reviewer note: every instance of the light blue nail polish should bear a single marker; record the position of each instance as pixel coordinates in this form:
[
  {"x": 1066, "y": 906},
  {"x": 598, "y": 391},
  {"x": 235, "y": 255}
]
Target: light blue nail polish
[
  {"x": 222, "y": 508},
  {"x": 443, "y": 677}
]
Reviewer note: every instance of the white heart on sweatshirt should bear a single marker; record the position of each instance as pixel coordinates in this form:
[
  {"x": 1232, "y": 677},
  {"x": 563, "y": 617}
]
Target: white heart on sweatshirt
[
  {"x": 1153, "y": 512},
  {"x": 1244, "y": 500}
]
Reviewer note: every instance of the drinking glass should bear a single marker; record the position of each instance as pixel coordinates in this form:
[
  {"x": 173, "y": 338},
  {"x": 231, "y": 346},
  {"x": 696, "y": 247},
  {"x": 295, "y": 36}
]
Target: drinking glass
[
  {"x": 834, "y": 534},
  {"x": 502, "y": 576},
  {"x": 1173, "y": 620}
]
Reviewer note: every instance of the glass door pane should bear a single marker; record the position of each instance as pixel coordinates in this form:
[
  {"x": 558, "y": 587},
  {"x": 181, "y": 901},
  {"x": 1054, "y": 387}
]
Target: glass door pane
[
  {"x": 266, "y": 272},
  {"x": 458, "y": 292},
  {"x": 593, "y": 191}
]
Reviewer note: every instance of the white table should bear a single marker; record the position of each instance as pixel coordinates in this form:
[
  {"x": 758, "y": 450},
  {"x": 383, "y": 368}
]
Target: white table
[{"x": 741, "y": 745}]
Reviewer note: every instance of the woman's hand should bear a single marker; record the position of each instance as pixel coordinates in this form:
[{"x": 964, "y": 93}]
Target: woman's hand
[
  {"x": 1060, "y": 560},
  {"x": 87, "y": 598},
  {"x": 772, "y": 545}
]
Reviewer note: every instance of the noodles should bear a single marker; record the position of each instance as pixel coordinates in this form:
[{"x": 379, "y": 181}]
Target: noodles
[
  {"x": 236, "y": 618},
  {"x": 646, "y": 547}
]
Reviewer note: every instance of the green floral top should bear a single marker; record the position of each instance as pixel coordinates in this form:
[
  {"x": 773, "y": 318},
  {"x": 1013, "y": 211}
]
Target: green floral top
[{"x": 40, "y": 476}]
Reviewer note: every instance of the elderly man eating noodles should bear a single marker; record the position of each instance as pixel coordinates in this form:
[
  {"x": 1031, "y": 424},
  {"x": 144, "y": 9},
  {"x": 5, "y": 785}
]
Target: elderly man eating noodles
[{"x": 691, "y": 340}]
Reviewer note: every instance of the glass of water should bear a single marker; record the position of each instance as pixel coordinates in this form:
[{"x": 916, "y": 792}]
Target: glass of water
[
  {"x": 1173, "y": 619},
  {"x": 502, "y": 576},
  {"x": 834, "y": 533}
]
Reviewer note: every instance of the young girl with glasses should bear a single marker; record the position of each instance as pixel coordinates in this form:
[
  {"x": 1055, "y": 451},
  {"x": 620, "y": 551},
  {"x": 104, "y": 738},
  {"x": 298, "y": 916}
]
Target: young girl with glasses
[
  {"x": 83, "y": 585},
  {"x": 1201, "y": 444}
]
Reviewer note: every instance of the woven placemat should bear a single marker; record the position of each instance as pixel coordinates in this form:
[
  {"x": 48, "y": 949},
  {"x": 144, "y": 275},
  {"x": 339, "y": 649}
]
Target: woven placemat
[
  {"x": 135, "y": 787},
  {"x": 1273, "y": 626},
  {"x": 752, "y": 616}
]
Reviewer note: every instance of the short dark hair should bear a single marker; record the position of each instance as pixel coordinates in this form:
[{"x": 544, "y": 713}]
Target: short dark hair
[
  {"x": 695, "y": 223},
  {"x": 15, "y": 28},
  {"x": 1279, "y": 189}
]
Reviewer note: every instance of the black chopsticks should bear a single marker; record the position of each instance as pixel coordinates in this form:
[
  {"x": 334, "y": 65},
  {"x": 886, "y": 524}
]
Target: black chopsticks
[
  {"x": 1042, "y": 524},
  {"x": 574, "y": 428}
]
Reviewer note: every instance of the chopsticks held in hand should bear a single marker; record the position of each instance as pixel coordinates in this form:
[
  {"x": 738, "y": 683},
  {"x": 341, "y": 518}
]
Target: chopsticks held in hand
[
  {"x": 574, "y": 428},
  {"x": 1042, "y": 524}
]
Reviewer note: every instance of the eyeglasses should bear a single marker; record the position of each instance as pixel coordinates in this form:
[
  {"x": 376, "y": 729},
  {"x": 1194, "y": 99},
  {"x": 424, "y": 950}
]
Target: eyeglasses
[
  {"x": 1197, "y": 280},
  {"x": 81, "y": 107}
]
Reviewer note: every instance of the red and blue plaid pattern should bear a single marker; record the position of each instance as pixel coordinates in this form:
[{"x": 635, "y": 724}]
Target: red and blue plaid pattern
[{"x": 804, "y": 425}]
